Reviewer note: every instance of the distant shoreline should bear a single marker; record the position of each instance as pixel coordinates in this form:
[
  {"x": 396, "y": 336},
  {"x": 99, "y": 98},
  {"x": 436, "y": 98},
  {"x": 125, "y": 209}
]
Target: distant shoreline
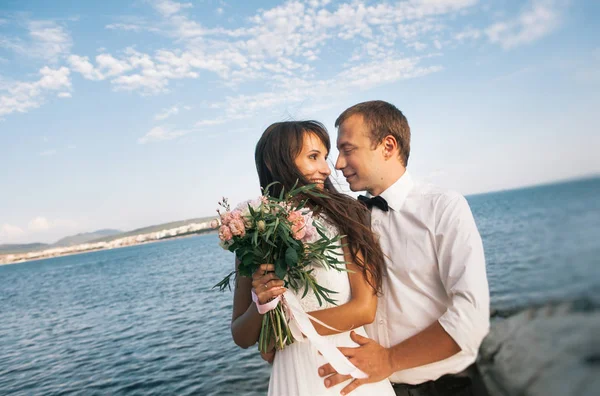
[{"x": 208, "y": 232}]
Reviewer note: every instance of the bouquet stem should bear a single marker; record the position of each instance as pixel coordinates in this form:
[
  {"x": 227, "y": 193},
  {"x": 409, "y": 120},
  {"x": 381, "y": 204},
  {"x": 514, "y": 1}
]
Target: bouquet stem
[{"x": 274, "y": 330}]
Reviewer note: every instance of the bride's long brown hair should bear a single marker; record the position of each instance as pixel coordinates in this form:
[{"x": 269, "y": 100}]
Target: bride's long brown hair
[{"x": 275, "y": 156}]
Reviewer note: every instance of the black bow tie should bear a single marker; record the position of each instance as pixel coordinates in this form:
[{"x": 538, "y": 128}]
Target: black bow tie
[{"x": 378, "y": 201}]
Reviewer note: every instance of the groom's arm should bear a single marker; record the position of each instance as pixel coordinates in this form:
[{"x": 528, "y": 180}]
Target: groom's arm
[
  {"x": 430, "y": 345},
  {"x": 464, "y": 324},
  {"x": 461, "y": 263}
]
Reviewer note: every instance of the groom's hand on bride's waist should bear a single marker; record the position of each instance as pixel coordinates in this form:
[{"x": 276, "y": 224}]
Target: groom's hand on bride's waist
[{"x": 370, "y": 357}]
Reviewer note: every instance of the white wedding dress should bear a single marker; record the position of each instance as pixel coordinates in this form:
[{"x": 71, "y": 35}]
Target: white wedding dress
[{"x": 295, "y": 368}]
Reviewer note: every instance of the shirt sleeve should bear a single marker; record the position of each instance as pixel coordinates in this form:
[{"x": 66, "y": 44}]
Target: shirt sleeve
[{"x": 461, "y": 264}]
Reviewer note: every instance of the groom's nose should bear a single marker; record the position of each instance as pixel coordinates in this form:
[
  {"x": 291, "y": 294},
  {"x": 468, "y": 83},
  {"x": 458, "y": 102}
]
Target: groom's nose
[{"x": 340, "y": 163}]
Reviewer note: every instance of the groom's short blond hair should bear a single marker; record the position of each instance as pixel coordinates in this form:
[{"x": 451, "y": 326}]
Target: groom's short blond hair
[{"x": 382, "y": 119}]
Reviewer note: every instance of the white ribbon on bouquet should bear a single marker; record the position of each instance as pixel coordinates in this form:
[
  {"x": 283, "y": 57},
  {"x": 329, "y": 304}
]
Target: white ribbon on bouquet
[{"x": 300, "y": 323}]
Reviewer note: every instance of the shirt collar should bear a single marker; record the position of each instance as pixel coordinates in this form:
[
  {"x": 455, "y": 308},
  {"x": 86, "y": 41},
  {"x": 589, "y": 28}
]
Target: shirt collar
[{"x": 397, "y": 192}]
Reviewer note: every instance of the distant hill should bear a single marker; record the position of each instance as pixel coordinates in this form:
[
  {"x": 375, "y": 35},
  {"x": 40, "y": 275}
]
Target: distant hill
[
  {"x": 66, "y": 241},
  {"x": 106, "y": 235},
  {"x": 158, "y": 227},
  {"x": 85, "y": 237},
  {"x": 22, "y": 248}
]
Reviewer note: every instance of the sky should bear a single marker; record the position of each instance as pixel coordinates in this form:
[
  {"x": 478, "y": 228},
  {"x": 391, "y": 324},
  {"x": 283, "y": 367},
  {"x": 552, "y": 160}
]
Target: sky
[{"x": 127, "y": 113}]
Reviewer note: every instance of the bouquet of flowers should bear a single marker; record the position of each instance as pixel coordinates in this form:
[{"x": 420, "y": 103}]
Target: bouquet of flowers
[{"x": 282, "y": 231}]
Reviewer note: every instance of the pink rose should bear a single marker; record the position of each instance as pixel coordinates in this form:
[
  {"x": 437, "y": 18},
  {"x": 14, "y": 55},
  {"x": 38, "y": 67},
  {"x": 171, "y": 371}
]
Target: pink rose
[
  {"x": 237, "y": 227},
  {"x": 295, "y": 217},
  {"x": 236, "y": 215},
  {"x": 226, "y": 218},
  {"x": 225, "y": 233},
  {"x": 214, "y": 224},
  {"x": 298, "y": 231}
]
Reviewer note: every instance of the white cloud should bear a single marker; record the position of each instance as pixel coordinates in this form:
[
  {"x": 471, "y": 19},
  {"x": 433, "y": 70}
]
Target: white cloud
[
  {"x": 23, "y": 96},
  {"x": 47, "y": 40},
  {"x": 149, "y": 75},
  {"x": 161, "y": 133},
  {"x": 322, "y": 93},
  {"x": 377, "y": 73},
  {"x": 205, "y": 123},
  {"x": 43, "y": 224},
  {"x": 133, "y": 24},
  {"x": 468, "y": 34},
  {"x": 64, "y": 95},
  {"x": 39, "y": 224},
  {"x": 417, "y": 45},
  {"x": 9, "y": 231},
  {"x": 166, "y": 113},
  {"x": 111, "y": 66},
  {"x": 284, "y": 40},
  {"x": 168, "y": 8},
  {"x": 538, "y": 19},
  {"x": 38, "y": 227},
  {"x": 81, "y": 64}
]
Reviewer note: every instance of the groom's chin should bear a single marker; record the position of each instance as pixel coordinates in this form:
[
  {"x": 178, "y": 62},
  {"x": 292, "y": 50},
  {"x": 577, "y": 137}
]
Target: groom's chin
[{"x": 353, "y": 186}]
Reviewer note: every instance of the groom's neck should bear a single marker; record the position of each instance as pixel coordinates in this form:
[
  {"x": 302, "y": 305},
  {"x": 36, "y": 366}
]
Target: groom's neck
[{"x": 388, "y": 177}]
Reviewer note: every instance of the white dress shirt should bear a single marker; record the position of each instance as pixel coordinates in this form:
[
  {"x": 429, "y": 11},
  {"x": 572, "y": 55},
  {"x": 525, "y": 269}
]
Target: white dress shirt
[{"x": 435, "y": 270}]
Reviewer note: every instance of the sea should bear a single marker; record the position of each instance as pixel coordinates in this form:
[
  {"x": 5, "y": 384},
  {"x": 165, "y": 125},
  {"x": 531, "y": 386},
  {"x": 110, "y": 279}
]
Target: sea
[{"x": 144, "y": 320}]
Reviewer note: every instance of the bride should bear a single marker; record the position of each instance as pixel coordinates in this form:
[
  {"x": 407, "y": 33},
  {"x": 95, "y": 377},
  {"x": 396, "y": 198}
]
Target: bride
[{"x": 297, "y": 151}]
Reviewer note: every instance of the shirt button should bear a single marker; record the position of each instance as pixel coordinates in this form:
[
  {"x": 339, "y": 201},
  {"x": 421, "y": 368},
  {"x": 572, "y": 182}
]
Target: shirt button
[{"x": 381, "y": 321}]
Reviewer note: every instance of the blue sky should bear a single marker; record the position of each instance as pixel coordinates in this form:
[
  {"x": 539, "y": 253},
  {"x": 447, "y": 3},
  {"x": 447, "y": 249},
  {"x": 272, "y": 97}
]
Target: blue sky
[{"x": 121, "y": 114}]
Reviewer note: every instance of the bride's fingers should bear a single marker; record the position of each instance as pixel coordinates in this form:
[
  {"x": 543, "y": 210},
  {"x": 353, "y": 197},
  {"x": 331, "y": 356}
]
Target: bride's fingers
[
  {"x": 275, "y": 283},
  {"x": 267, "y": 281},
  {"x": 262, "y": 269},
  {"x": 265, "y": 296},
  {"x": 263, "y": 289}
]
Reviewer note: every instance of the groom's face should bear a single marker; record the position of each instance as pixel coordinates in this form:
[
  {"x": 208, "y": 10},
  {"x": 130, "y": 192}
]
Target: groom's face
[{"x": 358, "y": 160}]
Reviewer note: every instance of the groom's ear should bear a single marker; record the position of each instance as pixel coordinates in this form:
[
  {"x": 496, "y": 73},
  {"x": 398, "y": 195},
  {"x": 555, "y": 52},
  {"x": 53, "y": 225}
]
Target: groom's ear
[{"x": 390, "y": 146}]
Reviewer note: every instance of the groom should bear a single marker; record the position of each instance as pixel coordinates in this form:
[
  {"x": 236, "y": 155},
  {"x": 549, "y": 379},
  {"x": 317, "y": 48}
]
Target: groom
[{"x": 434, "y": 311}]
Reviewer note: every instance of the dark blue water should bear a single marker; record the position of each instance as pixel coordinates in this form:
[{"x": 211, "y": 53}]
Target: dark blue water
[{"x": 143, "y": 319}]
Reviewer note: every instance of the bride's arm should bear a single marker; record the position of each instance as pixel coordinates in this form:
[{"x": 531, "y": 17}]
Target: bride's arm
[
  {"x": 245, "y": 320},
  {"x": 361, "y": 308}
]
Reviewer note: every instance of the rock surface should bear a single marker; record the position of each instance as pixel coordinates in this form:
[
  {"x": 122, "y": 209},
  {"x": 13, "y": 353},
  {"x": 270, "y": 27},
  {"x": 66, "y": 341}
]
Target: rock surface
[{"x": 543, "y": 351}]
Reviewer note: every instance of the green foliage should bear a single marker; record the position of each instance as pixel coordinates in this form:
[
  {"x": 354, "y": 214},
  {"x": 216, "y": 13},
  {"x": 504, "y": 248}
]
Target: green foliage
[{"x": 293, "y": 259}]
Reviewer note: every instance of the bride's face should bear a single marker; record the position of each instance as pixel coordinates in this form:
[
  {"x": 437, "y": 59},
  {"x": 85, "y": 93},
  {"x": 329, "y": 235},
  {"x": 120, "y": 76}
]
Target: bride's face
[{"x": 312, "y": 160}]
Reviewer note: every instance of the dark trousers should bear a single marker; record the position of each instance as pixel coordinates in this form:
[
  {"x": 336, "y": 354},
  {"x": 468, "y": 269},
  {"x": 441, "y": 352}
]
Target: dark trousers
[{"x": 466, "y": 383}]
